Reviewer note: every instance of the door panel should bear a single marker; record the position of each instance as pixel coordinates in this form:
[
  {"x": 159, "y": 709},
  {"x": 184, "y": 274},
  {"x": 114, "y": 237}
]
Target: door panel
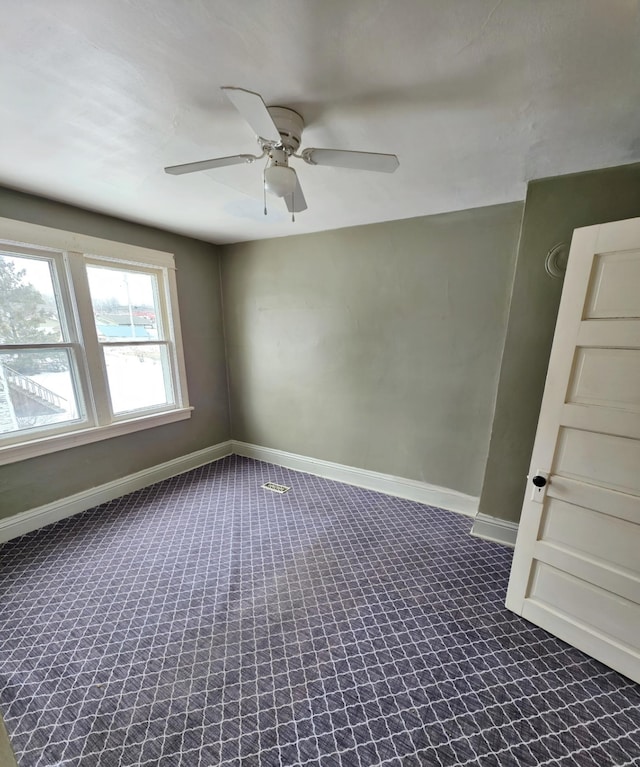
[
  {"x": 605, "y": 612},
  {"x": 603, "y": 459},
  {"x": 616, "y": 541},
  {"x": 596, "y": 572},
  {"x": 614, "y": 287},
  {"x": 610, "y": 502},
  {"x": 576, "y": 567},
  {"x": 621, "y": 333},
  {"x": 606, "y": 377}
]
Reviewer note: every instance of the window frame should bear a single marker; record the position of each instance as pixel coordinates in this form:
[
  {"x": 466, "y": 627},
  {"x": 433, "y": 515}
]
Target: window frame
[{"x": 72, "y": 253}]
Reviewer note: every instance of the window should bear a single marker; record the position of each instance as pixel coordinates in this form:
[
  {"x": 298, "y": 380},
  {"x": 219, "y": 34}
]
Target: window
[{"x": 89, "y": 341}]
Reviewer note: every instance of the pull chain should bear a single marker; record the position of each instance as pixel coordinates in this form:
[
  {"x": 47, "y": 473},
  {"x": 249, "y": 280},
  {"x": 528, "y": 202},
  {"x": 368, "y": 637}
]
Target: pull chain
[{"x": 264, "y": 193}]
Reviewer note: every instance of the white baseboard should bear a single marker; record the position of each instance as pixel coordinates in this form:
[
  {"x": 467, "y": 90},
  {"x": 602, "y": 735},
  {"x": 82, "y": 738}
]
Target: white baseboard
[
  {"x": 26, "y": 521},
  {"x": 412, "y": 489},
  {"x": 422, "y": 492},
  {"x": 494, "y": 529}
]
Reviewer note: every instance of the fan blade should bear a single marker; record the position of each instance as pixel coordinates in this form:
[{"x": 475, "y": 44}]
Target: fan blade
[
  {"x": 340, "y": 158},
  {"x": 255, "y": 112},
  {"x": 217, "y": 162},
  {"x": 295, "y": 201}
]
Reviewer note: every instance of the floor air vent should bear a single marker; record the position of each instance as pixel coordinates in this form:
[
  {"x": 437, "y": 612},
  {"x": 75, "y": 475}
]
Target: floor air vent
[{"x": 275, "y": 487}]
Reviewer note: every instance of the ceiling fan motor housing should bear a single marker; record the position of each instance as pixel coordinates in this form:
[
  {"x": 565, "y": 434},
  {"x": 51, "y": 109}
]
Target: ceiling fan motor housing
[{"x": 290, "y": 126}]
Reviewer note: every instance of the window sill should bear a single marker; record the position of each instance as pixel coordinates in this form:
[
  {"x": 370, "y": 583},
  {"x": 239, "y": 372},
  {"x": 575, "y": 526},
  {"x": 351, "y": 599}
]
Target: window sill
[{"x": 51, "y": 444}]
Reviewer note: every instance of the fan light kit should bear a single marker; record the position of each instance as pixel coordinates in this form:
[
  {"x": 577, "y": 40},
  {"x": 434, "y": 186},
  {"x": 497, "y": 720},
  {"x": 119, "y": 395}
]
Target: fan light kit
[
  {"x": 279, "y": 178},
  {"x": 279, "y": 132}
]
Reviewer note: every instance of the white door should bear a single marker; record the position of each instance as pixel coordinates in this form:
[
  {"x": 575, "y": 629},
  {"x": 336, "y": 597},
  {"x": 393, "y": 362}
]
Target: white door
[{"x": 576, "y": 566}]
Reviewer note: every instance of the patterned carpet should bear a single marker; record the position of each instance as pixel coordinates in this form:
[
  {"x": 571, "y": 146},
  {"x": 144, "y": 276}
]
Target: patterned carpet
[{"x": 205, "y": 621}]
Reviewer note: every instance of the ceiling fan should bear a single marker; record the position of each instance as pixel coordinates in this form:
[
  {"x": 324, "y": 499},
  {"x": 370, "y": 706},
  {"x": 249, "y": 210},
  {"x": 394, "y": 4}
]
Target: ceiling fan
[{"x": 279, "y": 131}]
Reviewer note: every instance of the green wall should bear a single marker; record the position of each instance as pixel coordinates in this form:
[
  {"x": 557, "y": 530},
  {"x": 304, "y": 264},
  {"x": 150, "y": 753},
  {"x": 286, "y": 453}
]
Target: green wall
[
  {"x": 387, "y": 347},
  {"x": 28, "y": 484},
  {"x": 7, "y": 758},
  {"x": 376, "y": 346},
  {"x": 554, "y": 207}
]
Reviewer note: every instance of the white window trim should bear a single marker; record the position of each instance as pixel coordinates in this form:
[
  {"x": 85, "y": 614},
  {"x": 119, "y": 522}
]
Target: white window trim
[
  {"x": 24, "y": 235},
  {"x": 55, "y": 442}
]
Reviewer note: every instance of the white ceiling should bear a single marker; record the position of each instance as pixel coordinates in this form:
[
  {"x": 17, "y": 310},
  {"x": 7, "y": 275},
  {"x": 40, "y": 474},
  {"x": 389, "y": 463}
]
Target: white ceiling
[{"x": 474, "y": 96}]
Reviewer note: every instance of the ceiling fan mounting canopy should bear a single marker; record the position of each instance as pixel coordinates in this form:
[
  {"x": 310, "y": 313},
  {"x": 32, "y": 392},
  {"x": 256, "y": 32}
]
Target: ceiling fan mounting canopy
[{"x": 279, "y": 132}]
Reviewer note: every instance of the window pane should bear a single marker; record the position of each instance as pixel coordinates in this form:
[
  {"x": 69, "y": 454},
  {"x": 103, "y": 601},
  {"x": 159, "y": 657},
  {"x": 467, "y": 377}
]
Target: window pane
[
  {"x": 28, "y": 309},
  {"x": 138, "y": 377},
  {"x": 125, "y": 304},
  {"x": 36, "y": 389}
]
